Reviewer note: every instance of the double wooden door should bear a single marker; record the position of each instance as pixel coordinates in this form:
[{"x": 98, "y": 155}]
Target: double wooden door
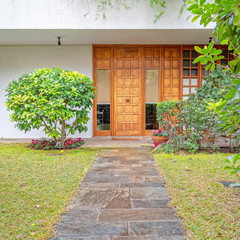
[
  {"x": 127, "y": 91},
  {"x": 127, "y": 86}
]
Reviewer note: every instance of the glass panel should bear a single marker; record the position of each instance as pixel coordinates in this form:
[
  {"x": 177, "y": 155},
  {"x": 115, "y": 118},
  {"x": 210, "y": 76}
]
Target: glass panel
[
  {"x": 224, "y": 62},
  {"x": 225, "y": 53},
  {"x": 185, "y": 90},
  {"x": 151, "y": 117},
  {"x": 186, "y": 54},
  {"x": 151, "y": 98},
  {"x": 186, "y": 63},
  {"x": 103, "y": 86},
  {"x": 205, "y": 72},
  {"x": 186, "y": 72},
  {"x": 103, "y": 99},
  {"x": 194, "y": 64},
  {"x": 103, "y": 116},
  {"x": 194, "y": 54},
  {"x": 194, "y": 81},
  {"x": 194, "y": 72},
  {"x": 185, "y": 81},
  {"x": 193, "y": 90},
  {"x": 203, "y": 81},
  {"x": 152, "y": 86}
]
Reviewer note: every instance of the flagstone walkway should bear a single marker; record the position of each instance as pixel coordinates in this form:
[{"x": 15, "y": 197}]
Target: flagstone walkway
[{"x": 121, "y": 198}]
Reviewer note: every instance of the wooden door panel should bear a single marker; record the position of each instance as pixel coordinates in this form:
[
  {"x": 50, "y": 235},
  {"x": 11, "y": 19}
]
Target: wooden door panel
[
  {"x": 171, "y": 73},
  {"x": 127, "y": 89}
]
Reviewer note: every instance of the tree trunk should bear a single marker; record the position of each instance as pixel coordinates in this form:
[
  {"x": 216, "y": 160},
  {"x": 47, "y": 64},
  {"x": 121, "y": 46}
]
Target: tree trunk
[{"x": 63, "y": 132}]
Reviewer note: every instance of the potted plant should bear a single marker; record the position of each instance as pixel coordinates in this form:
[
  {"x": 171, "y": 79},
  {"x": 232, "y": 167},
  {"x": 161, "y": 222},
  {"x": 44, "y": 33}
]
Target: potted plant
[{"x": 159, "y": 136}]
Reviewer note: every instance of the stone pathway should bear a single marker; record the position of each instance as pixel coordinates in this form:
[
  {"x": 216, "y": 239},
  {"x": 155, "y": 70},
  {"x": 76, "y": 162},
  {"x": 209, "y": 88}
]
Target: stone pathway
[{"x": 121, "y": 198}]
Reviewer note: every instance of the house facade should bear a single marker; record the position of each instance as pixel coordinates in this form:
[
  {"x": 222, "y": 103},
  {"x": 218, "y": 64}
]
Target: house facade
[{"x": 134, "y": 62}]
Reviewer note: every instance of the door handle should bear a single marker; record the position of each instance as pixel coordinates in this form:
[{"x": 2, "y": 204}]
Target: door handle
[{"x": 127, "y": 99}]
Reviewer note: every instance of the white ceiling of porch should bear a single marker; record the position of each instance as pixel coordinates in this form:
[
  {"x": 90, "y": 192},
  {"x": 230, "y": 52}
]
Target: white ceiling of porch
[{"x": 88, "y": 37}]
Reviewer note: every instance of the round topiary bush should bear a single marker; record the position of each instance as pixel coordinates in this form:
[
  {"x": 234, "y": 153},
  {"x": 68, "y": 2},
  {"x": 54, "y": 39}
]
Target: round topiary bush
[{"x": 55, "y": 99}]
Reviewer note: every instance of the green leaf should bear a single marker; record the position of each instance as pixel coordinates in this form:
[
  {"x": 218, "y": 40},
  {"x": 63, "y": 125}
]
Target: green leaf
[
  {"x": 195, "y": 18},
  {"x": 198, "y": 49},
  {"x": 236, "y": 81},
  {"x": 210, "y": 46},
  {"x": 230, "y": 94},
  {"x": 236, "y": 20},
  {"x": 212, "y": 67}
]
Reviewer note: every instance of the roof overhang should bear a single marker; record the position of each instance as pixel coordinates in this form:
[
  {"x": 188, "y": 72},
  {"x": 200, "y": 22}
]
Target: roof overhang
[{"x": 98, "y": 36}]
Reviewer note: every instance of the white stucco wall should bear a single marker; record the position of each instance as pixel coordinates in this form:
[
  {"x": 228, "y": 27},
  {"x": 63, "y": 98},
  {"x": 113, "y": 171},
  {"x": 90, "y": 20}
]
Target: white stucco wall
[
  {"x": 15, "y": 60},
  {"x": 82, "y": 14}
]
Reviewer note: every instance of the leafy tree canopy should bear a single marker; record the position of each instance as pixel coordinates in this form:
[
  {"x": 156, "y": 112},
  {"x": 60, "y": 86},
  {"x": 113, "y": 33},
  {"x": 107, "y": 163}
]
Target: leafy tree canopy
[
  {"x": 55, "y": 99},
  {"x": 226, "y": 15}
]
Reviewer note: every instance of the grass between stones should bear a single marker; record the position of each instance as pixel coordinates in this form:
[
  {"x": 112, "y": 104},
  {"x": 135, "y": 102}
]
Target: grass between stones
[
  {"x": 208, "y": 209},
  {"x": 36, "y": 186}
]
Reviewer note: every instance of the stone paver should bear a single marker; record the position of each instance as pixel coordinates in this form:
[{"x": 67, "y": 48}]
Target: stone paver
[{"x": 122, "y": 197}]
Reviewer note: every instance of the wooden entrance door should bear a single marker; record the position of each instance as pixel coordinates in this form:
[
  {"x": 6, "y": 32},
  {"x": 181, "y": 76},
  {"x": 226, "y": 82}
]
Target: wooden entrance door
[{"x": 127, "y": 91}]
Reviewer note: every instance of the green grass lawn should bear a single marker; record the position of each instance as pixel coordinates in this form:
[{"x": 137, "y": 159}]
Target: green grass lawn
[
  {"x": 35, "y": 188},
  {"x": 208, "y": 209}
]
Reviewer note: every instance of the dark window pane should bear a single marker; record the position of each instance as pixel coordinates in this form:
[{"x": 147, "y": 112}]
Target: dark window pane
[
  {"x": 103, "y": 116},
  {"x": 205, "y": 72},
  {"x": 186, "y": 72},
  {"x": 224, "y": 62},
  {"x": 194, "y": 72},
  {"x": 151, "y": 117},
  {"x": 186, "y": 63},
  {"x": 186, "y": 53},
  {"x": 194, "y": 54},
  {"x": 194, "y": 64},
  {"x": 225, "y": 53}
]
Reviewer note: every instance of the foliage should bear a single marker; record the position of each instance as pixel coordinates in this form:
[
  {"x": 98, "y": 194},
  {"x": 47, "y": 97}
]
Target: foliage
[
  {"x": 166, "y": 116},
  {"x": 226, "y": 15},
  {"x": 190, "y": 124},
  {"x": 55, "y": 99},
  {"x": 46, "y": 144},
  {"x": 208, "y": 209},
  {"x": 233, "y": 167},
  {"x": 216, "y": 85},
  {"x": 73, "y": 143},
  {"x": 36, "y": 187},
  {"x": 158, "y": 5},
  {"x": 159, "y": 133},
  {"x": 229, "y": 109},
  {"x": 163, "y": 148},
  {"x": 42, "y": 144}
]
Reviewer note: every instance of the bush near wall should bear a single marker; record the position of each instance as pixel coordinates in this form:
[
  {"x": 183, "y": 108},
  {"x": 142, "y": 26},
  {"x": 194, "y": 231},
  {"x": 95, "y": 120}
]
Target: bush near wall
[
  {"x": 56, "y": 100},
  {"x": 191, "y": 124}
]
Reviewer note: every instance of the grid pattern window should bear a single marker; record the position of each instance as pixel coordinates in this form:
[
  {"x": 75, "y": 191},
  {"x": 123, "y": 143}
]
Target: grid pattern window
[
  {"x": 190, "y": 72},
  {"x": 227, "y": 58}
]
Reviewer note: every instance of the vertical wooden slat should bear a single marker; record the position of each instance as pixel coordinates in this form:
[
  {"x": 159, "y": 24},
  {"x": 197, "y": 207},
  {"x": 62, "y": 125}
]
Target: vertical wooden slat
[{"x": 181, "y": 75}]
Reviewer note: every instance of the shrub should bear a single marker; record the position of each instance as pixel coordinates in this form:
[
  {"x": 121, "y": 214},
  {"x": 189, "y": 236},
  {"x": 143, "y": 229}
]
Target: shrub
[
  {"x": 164, "y": 148},
  {"x": 191, "y": 124},
  {"x": 56, "y": 100}
]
